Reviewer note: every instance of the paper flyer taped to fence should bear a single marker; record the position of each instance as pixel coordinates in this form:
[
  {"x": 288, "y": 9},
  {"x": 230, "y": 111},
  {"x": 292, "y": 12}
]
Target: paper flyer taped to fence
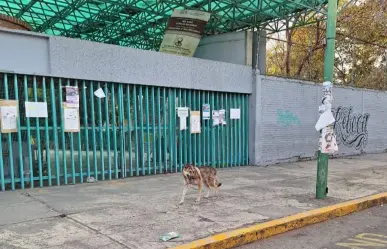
[
  {"x": 9, "y": 110},
  {"x": 235, "y": 113},
  {"x": 182, "y": 113},
  {"x": 99, "y": 93},
  {"x": 195, "y": 122},
  {"x": 184, "y": 31},
  {"x": 215, "y": 118},
  {"x": 71, "y": 119},
  {"x": 36, "y": 109},
  {"x": 222, "y": 117},
  {"x": 206, "y": 111},
  {"x": 72, "y": 96}
]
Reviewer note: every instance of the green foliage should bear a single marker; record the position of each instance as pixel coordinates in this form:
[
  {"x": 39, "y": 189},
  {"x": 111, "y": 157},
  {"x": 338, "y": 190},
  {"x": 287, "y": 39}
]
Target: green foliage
[{"x": 361, "y": 48}]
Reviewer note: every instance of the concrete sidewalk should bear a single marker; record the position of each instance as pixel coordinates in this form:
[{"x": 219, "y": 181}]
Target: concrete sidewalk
[{"x": 135, "y": 212}]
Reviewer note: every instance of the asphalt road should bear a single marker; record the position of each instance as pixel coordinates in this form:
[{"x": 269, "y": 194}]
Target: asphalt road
[{"x": 364, "y": 230}]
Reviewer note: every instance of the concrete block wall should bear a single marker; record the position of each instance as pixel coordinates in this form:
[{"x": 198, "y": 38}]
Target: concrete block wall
[
  {"x": 286, "y": 112},
  {"x": 33, "y": 53}
]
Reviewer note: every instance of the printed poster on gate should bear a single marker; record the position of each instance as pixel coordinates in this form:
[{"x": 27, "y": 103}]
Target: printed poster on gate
[
  {"x": 9, "y": 111},
  {"x": 72, "y": 96},
  {"x": 184, "y": 31}
]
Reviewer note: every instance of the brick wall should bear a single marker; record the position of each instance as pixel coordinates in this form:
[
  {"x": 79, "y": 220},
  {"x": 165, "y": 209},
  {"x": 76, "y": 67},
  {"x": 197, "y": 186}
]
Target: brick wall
[
  {"x": 13, "y": 23},
  {"x": 287, "y": 113}
]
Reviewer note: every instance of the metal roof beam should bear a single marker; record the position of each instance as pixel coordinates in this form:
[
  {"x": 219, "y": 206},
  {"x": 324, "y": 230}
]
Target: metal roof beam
[
  {"x": 26, "y": 8},
  {"x": 61, "y": 15}
]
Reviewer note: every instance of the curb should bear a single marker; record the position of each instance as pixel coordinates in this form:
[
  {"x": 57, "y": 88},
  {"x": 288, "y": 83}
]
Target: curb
[{"x": 260, "y": 231}]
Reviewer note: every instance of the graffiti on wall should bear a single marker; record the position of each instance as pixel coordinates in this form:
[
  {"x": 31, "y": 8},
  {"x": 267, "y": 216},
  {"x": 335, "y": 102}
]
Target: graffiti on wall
[
  {"x": 286, "y": 118},
  {"x": 351, "y": 128}
]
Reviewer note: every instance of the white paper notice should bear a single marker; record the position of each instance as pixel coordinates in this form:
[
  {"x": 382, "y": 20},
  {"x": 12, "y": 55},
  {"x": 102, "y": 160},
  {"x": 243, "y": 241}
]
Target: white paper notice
[
  {"x": 8, "y": 117},
  {"x": 71, "y": 119},
  {"x": 222, "y": 117},
  {"x": 99, "y": 93},
  {"x": 36, "y": 109},
  {"x": 215, "y": 118},
  {"x": 182, "y": 113},
  {"x": 195, "y": 122},
  {"x": 206, "y": 111},
  {"x": 325, "y": 119},
  {"x": 235, "y": 113}
]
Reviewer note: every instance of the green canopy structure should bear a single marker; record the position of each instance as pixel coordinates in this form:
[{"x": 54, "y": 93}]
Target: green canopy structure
[{"x": 141, "y": 23}]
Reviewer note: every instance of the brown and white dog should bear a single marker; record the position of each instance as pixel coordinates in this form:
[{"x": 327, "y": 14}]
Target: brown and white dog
[{"x": 198, "y": 176}]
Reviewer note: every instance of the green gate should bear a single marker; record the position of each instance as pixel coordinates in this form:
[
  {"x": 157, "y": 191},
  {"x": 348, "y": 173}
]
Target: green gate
[{"x": 133, "y": 131}]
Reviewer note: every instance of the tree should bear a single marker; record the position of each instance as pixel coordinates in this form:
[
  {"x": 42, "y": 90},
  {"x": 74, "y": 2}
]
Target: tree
[{"x": 361, "y": 48}]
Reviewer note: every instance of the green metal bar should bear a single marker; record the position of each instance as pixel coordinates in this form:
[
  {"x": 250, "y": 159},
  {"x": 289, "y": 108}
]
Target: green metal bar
[
  {"x": 141, "y": 111},
  {"x": 170, "y": 128},
  {"x": 154, "y": 153},
  {"x": 221, "y": 135},
  {"x": 194, "y": 135},
  {"x": 180, "y": 135},
  {"x": 213, "y": 133},
  {"x": 246, "y": 117},
  {"x": 240, "y": 136},
  {"x": 47, "y": 137},
  {"x": 121, "y": 114},
  {"x": 232, "y": 151},
  {"x": 203, "y": 134},
  {"x": 208, "y": 132},
  {"x": 228, "y": 129},
  {"x": 174, "y": 129},
  {"x": 235, "y": 128},
  {"x": 135, "y": 108},
  {"x": 159, "y": 130},
  {"x": 10, "y": 151},
  {"x": 100, "y": 128},
  {"x": 55, "y": 129},
  {"x": 64, "y": 153},
  {"x": 1, "y": 165},
  {"x": 114, "y": 124},
  {"x": 189, "y": 147},
  {"x": 80, "y": 152},
  {"x": 322, "y": 161},
  {"x": 29, "y": 135},
  {"x": 147, "y": 129},
  {"x": 165, "y": 130},
  {"x": 217, "y": 139},
  {"x": 242, "y": 121},
  {"x": 72, "y": 151},
  {"x": 128, "y": 107},
  {"x": 19, "y": 136},
  {"x": 86, "y": 126},
  {"x": 185, "y": 136},
  {"x": 93, "y": 136},
  {"x": 107, "y": 130},
  {"x": 37, "y": 136}
]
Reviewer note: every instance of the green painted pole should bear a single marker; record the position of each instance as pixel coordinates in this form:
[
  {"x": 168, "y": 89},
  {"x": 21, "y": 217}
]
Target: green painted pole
[{"x": 322, "y": 162}]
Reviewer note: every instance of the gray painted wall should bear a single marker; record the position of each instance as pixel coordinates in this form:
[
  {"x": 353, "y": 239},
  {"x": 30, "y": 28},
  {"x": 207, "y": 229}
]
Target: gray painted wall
[
  {"x": 31, "y": 53},
  {"x": 286, "y": 112}
]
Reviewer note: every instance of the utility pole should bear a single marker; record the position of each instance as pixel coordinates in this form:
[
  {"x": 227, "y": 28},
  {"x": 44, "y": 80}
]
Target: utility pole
[{"x": 322, "y": 162}]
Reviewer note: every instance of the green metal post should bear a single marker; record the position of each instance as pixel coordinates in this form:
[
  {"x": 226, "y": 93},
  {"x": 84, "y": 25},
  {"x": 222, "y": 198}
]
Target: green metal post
[
  {"x": 47, "y": 136},
  {"x": 322, "y": 162}
]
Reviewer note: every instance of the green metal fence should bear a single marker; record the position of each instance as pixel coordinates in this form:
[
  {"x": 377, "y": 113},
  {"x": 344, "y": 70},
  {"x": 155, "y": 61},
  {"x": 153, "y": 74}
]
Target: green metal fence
[{"x": 133, "y": 131}]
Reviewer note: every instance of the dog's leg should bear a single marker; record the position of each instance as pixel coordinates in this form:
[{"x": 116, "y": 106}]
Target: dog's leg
[
  {"x": 199, "y": 192},
  {"x": 208, "y": 192},
  {"x": 184, "y": 192}
]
